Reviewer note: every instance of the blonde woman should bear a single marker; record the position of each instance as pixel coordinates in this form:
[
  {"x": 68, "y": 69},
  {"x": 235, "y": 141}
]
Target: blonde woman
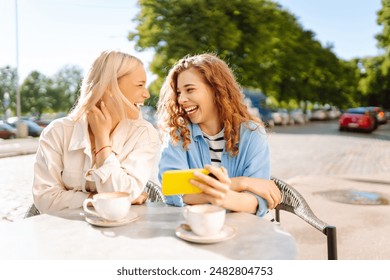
[
  {"x": 104, "y": 144},
  {"x": 202, "y": 111}
]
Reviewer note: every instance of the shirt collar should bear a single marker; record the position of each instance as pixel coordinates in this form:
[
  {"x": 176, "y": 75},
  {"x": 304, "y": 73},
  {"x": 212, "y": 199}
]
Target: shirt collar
[
  {"x": 196, "y": 131},
  {"x": 118, "y": 136},
  {"x": 80, "y": 136}
]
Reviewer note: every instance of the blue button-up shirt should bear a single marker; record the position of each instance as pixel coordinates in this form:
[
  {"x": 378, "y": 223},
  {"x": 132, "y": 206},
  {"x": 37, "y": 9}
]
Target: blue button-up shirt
[{"x": 251, "y": 161}]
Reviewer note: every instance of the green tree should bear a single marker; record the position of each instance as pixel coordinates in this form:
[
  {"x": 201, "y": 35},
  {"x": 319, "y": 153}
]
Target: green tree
[
  {"x": 265, "y": 46},
  {"x": 241, "y": 32},
  {"x": 34, "y": 94},
  {"x": 7, "y": 86},
  {"x": 66, "y": 88},
  {"x": 374, "y": 82}
]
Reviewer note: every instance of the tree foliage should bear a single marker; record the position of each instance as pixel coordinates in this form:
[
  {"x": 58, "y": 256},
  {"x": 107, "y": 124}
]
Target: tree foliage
[
  {"x": 66, "y": 87},
  {"x": 39, "y": 93},
  {"x": 7, "y": 87},
  {"x": 375, "y": 74},
  {"x": 35, "y": 94},
  {"x": 264, "y": 44}
]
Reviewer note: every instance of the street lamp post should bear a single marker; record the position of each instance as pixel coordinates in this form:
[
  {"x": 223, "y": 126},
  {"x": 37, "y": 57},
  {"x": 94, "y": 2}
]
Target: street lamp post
[{"x": 21, "y": 127}]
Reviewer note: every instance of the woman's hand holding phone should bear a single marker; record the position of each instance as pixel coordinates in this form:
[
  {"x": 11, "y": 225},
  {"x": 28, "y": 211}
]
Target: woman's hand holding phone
[{"x": 216, "y": 187}]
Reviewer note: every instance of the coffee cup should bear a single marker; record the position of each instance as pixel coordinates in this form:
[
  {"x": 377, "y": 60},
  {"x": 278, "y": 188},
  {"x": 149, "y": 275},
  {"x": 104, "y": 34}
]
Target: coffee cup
[
  {"x": 111, "y": 206},
  {"x": 205, "y": 219}
]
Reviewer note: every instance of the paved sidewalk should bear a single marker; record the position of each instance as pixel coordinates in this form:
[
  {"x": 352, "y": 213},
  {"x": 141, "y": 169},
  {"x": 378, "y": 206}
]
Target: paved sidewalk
[
  {"x": 313, "y": 164},
  {"x": 316, "y": 164}
]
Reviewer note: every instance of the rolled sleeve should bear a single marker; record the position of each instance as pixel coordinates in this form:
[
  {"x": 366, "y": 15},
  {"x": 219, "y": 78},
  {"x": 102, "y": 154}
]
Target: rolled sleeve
[
  {"x": 104, "y": 172},
  {"x": 78, "y": 199},
  {"x": 175, "y": 200},
  {"x": 258, "y": 164},
  {"x": 262, "y": 207}
]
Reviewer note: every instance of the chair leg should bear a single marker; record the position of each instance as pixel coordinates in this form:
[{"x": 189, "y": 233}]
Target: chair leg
[
  {"x": 277, "y": 215},
  {"x": 332, "y": 242}
]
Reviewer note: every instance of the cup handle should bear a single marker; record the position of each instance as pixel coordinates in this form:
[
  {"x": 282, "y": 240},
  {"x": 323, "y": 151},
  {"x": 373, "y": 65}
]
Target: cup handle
[
  {"x": 87, "y": 210},
  {"x": 185, "y": 212}
]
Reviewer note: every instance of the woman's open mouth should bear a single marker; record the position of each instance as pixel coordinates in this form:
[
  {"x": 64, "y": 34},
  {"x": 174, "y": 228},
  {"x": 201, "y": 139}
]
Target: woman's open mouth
[
  {"x": 190, "y": 110},
  {"x": 139, "y": 105}
]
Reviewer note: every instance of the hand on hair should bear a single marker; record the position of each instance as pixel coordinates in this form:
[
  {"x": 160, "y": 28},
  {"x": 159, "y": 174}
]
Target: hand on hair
[{"x": 99, "y": 120}]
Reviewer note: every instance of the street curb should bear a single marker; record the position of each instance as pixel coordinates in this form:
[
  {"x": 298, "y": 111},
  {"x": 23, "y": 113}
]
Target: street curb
[{"x": 18, "y": 147}]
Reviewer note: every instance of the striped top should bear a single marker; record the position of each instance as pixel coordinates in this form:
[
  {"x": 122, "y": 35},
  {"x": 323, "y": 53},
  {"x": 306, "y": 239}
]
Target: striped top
[{"x": 216, "y": 145}]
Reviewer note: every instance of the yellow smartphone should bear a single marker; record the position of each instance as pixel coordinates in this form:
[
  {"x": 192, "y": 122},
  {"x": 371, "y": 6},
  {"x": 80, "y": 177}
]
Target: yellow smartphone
[{"x": 178, "y": 181}]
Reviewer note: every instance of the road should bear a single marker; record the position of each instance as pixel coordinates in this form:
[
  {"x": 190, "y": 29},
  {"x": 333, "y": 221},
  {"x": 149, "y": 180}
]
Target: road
[
  {"x": 331, "y": 128},
  {"x": 316, "y": 159}
]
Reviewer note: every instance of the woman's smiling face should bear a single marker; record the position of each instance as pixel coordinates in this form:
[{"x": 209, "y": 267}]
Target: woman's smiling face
[
  {"x": 133, "y": 86},
  {"x": 197, "y": 100}
]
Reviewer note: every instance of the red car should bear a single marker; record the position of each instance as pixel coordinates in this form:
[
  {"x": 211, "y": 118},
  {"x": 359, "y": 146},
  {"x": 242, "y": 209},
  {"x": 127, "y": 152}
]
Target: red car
[
  {"x": 360, "y": 119},
  {"x": 7, "y": 131}
]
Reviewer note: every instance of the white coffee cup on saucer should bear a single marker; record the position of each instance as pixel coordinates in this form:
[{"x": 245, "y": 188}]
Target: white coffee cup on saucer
[
  {"x": 205, "y": 219},
  {"x": 111, "y": 206}
]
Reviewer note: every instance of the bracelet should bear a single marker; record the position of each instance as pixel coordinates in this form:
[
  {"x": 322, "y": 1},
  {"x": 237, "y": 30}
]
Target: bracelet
[{"x": 101, "y": 149}]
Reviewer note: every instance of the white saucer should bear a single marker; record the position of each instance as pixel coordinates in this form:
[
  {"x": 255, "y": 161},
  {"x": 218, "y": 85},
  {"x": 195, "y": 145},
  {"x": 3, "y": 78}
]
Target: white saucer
[
  {"x": 226, "y": 233},
  {"x": 100, "y": 222}
]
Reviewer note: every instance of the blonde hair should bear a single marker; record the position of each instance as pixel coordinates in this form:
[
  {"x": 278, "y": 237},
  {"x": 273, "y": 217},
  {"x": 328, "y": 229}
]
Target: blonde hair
[
  {"x": 103, "y": 76},
  {"x": 227, "y": 96}
]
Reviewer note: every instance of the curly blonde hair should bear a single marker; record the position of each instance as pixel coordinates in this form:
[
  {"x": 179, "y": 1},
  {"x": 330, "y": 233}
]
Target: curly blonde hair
[{"x": 227, "y": 95}]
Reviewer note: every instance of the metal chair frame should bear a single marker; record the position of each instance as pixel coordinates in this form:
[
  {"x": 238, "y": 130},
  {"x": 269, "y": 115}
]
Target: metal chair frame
[
  {"x": 32, "y": 211},
  {"x": 294, "y": 202},
  {"x": 154, "y": 192},
  {"x": 151, "y": 188}
]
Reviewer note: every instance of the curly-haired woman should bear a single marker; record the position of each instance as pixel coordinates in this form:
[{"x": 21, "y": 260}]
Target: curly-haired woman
[{"x": 202, "y": 112}]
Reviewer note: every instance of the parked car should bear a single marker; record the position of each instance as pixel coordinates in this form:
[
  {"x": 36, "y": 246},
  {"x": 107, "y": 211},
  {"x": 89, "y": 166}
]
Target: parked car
[
  {"x": 357, "y": 119},
  {"x": 258, "y": 101},
  {"x": 7, "y": 131},
  {"x": 252, "y": 110},
  {"x": 333, "y": 112},
  {"x": 266, "y": 117},
  {"x": 43, "y": 122},
  {"x": 298, "y": 116},
  {"x": 379, "y": 114},
  {"x": 262, "y": 113},
  {"x": 276, "y": 117},
  {"x": 319, "y": 114},
  {"x": 34, "y": 130},
  {"x": 287, "y": 119},
  {"x": 387, "y": 114},
  {"x": 281, "y": 117}
]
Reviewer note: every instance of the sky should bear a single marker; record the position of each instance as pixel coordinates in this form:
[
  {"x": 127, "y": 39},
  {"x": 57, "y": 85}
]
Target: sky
[{"x": 54, "y": 33}]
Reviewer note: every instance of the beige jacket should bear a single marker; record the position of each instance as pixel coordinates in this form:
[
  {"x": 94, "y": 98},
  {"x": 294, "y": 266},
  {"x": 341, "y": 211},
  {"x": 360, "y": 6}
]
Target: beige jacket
[{"x": 63, "y": 171}]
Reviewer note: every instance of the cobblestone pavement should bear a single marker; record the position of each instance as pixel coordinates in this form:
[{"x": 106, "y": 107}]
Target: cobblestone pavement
[
  {"x": 312, "y": 164},
  {"x": 16, "y": 175},
  {"x": 318, "y": 163}
]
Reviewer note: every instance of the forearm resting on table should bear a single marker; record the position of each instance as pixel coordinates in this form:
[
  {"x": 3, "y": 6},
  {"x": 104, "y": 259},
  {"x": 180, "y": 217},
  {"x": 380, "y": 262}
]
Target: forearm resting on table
[
  {"x": 241, "y": 202},
  {"x": 242, "y": 183},
  {"x": 194, "y": 199},
  {"x": 262, "y": 187}
]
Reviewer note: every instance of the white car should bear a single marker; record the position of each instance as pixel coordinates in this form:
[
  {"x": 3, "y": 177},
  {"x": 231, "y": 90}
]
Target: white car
[{"x": 319, "y": 114}]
